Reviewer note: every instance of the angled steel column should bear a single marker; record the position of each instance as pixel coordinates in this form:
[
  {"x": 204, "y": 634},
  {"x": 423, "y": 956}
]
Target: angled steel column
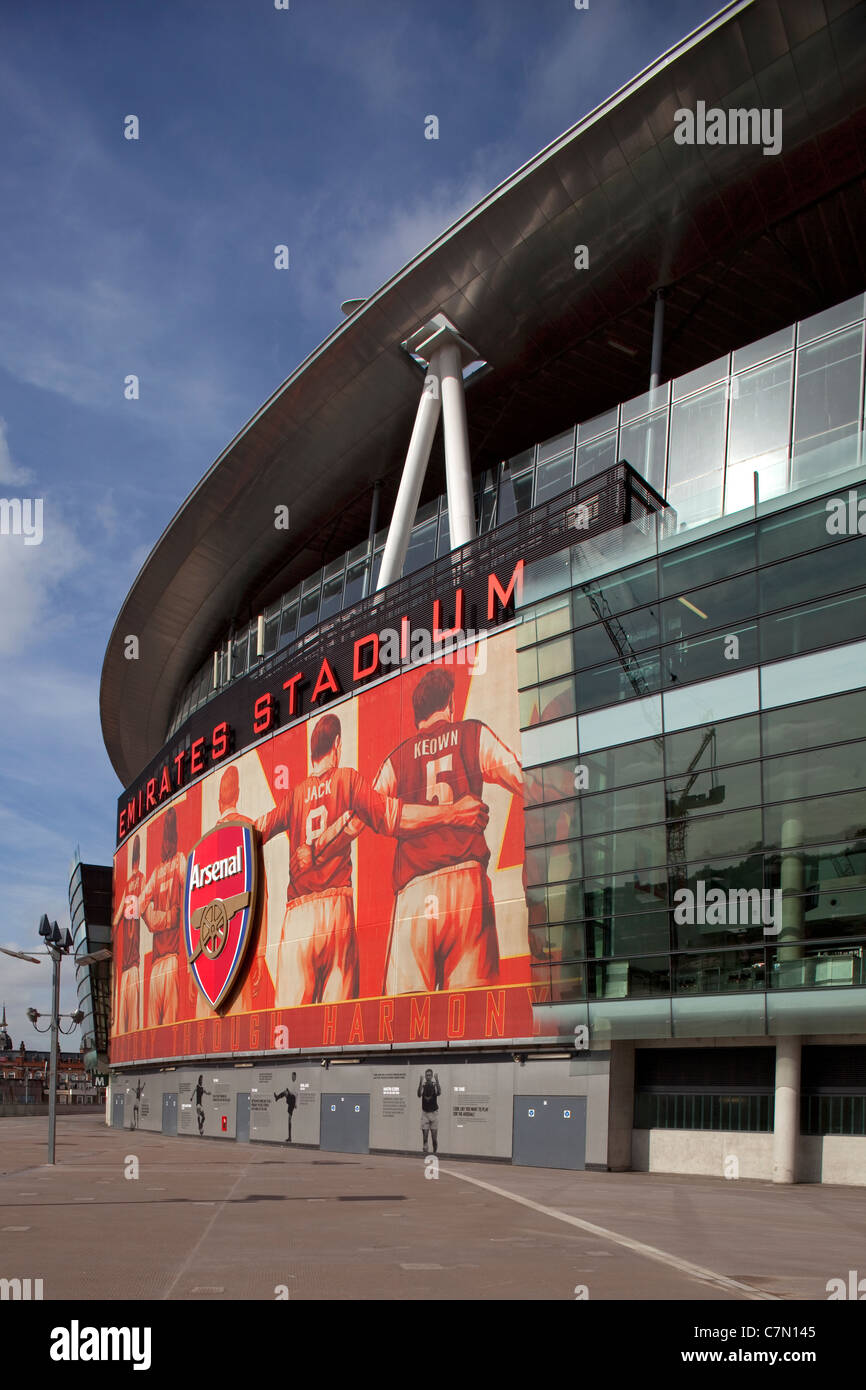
[
  {"x": 411, "y": 482},
  {"x": 658, "y": 339},
  {"x": 447, "y": 363}
]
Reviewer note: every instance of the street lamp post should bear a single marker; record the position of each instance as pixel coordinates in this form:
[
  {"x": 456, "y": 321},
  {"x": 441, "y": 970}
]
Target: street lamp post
[{"x": 57, "y": 945}]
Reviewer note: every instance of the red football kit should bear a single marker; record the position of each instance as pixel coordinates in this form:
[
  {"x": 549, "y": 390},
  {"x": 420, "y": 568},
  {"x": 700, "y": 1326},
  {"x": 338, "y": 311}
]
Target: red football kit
[
  {"x": 443, "y": 926},
  {"x": 314, "y": 806},
  {"x": 317, "y": 959}
]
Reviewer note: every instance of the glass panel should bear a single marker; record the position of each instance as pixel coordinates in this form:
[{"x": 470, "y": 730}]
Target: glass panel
[
  {"x": 819, "y": 625},
  {"x": 812, "y": 967},
  {"x": 630, "y": 721},
  {"x": 837, "y": 817},
  {"x": 422, "y": 546},
  {"x": 332, "y": 595},
  {"x": 549, "y": 744},
  {"x": 790, "y": 532},
  {"x": 240, "y": 646},
  {"x": 642, "y": 405},
  {"x": 700, "y": 377},
  {"x": 711, "y": 701},
  {"x": 835, "y": 868},
  {"x": 828, "y": 400},
  {"x": 829, "y": 319},
  {"x": 758, "y": 433},
  {"x": 731, "y": 741},
  {"x": 634, "y": 979},
  {"x": 722, "y": 972},
  {"x": 760, "y": 411},
  {"x": 515, "y": 493},
  {"x": 825, "y": 673},
  {"x": 553, "y": 478},
  {"x": 272, "y": 627},
  {"x": 555, "y": 658},
  {"x": 624, "y": 680},
  {"x": 443, "y": 545},
  {"x": 309, "y": 612},
  {"x": 825, "y": 572},
  {"x": 629, "y": 850},
  {"x": 764, "y": 348},
  {"x": 596, "y": 457},
  {"x": 717, "y": 606},
  {"x": 615, "y": 593},
  {"x": 703, "y": 792},
  {"x": 643, "y": 446},
  {"x": 567, "y": 982},
  {"x": 813, "y": 724},
  {"x": 542, "y": 703},
  {"x": 694, "y": 566},
  {"x": 289, "y": 623},
  {"x": 599, "y": 424},
  {"x": 624, "y": 808},
  {"x": 708, "y": 836},
  {"x": 617, "y": 638},
  {"x": 553, "y": 448},
  {"x": 694, "y": 487},
  {"x": 616, "y": 767},
  {"x": 700, "y": 658},
  {"x": 811, "y": 773},
  {"x": 355, "y": 582}
]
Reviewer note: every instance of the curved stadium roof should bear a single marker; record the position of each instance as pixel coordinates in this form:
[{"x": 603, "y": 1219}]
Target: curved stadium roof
[{"x": 743, "y": 244}]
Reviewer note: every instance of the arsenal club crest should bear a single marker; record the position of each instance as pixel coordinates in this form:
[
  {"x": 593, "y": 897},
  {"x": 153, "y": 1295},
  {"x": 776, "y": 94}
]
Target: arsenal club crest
[{"x": 219, "y": 906}]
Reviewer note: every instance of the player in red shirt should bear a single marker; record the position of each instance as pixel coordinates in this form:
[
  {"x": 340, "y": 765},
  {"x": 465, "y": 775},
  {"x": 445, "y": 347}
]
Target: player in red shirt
[
  {"x": 162, "y": 910},
  {"x": 127, "y": 929},
  {"x": 318, "y": 954},
  {"x": 443, "y": 928}
]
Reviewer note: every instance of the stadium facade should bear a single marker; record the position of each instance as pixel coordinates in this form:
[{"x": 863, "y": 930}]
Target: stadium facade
[{"x": 530, "y": 752}]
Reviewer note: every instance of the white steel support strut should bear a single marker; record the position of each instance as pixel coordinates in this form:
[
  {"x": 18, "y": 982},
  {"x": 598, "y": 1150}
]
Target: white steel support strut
[
  {"x": 411, "y": 482},
  {"x": 439, "y": 345},
  {"x": 448, "y": 367}
]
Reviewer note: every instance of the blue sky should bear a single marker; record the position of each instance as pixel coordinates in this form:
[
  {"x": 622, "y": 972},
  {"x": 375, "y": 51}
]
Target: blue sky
[{"x": 155, "y": 257}]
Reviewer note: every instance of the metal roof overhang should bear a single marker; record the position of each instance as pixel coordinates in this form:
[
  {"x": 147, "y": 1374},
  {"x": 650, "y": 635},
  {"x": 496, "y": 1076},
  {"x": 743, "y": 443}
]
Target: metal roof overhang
[{"x": 743, "y": 243}]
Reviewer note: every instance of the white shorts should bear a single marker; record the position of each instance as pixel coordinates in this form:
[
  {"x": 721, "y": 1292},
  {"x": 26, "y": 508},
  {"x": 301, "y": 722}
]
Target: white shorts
[
  {"x": 129, "y": 1020},
  {"x": 317, "y": 960},
  {"x": 443, "y": 932},
  {"x": 163, "y": 995}
]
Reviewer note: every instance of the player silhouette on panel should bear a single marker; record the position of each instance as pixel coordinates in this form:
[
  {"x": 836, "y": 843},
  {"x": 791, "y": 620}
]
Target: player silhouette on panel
[
  {"x": 290, "y": 1094},
  {"x": 200, "y": 1091},
  {"x": 161, "y": 908},
  {"x": 429, "y": 1092},
  {"x": 137, "y": 1093},
  {"x": 127, "y": 920},
  {"x": 443, "y": 928},
  {"x": 318, "y": 952}
]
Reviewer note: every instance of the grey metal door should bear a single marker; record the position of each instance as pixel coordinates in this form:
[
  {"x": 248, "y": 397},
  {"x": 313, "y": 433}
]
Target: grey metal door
[
  {"x": 169, "y": 1112},
  {"x": 118, "y": 1104},
  {"x": 550, "y": 1131},
  {"x": 242, "y": 1117},
  {"x": 345, "y": 1124}
]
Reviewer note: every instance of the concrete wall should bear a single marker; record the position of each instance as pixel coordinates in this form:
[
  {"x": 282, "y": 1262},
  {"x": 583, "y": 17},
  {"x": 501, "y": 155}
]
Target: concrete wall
[{"x": 833, "y": 1158}]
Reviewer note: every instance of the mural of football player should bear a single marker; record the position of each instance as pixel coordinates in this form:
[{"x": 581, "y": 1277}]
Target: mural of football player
[
  {"x": 162, "y": 911},
  {"x": 443, "y": 928},
  {"x": 318, "y": 959},
  {"x": 127, "y": 933}
]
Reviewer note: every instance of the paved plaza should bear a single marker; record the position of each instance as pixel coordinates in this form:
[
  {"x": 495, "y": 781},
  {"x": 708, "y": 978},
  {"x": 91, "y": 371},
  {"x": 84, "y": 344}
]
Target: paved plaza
[{"x": 206, "y": 1219}]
